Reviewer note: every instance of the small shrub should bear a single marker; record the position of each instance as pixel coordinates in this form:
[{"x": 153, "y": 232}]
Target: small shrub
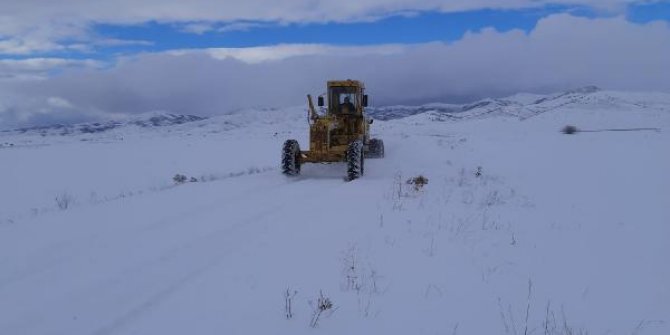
[
  {"x": 323, "y": 304},
  {"x": 193, "y": 180},
  {"x": 418, "y": 182},
  {"x": 569, "y": 129},
  {"x": 478, "y": 173},
  {"x": 64, "y": 200},
  {"x": 179, "y": 179},
  {"x": 288, "y": 302}
]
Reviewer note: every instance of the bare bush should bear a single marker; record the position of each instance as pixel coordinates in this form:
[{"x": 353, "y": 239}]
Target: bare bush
[
  {"x": 418, "y": 182},
  {"x": 351, "y": 271},
  {"x": 397, "y": 192},
  {"x": 569, "y": 130},
  {"x": 362, "y": 279},
  {"x": 179, "y": 179},
  {"x": 323, "y": 304},
  {"x": 288, "y": 302},
  {"x": 64, "y": 201},
  {"x": 551, "y": 325}
]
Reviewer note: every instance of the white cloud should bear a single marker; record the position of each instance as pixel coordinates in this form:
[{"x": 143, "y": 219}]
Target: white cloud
[
  {"x": 200, "y": 28},
  {"x": 30, "y": 26},
  {"x": 254, "y": 55},
  {"x": 25, "y": 33},
  {"x": 197, "y": 28},
  {"x": 561, "y": 52},
  {"x": 58, "y": 102},
  {"x": 31, "y": 68},
  {"x": 239, "y": 26},
  {"x": 115, "y": 42}
]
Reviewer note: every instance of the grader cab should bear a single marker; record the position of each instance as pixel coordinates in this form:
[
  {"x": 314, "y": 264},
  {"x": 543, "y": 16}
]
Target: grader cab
[{"x": 341, "y": 133}]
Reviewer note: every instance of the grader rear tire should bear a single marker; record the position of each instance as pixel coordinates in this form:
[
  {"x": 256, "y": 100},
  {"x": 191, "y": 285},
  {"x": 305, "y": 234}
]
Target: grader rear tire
[
  {"x": 290, "y": 160},
  {"x": 375, "y": 148},
  {"x": 355, "y": 160}
]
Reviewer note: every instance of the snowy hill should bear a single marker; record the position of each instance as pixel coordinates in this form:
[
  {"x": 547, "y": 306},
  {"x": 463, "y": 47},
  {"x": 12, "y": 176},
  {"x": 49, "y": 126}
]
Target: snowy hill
[
  {"x": 528, "y": 105},
  {"x": 520, "y": 229},
  {"x": 521, "y": 105},
  {"x": 142, "y": 121}
]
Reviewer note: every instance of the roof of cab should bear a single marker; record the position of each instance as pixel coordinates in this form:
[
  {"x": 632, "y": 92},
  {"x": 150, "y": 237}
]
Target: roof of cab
[{"x": 348, "y": 83}]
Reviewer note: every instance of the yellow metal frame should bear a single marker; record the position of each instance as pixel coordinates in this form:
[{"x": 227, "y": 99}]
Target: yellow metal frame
[{"x": 330, "y": 135}]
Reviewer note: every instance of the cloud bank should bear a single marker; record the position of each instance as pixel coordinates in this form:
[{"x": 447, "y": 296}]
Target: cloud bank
[
  {"x": 30, "y": 26},
  {"x": 562, "y": 52}
]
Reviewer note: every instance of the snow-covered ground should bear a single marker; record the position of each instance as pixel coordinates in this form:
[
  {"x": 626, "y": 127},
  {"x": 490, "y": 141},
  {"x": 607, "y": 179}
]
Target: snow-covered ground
[{"x": 520, "y": 229}]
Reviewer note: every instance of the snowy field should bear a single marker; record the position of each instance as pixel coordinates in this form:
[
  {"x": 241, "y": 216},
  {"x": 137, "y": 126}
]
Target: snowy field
[{"x": 520, "y": 230}]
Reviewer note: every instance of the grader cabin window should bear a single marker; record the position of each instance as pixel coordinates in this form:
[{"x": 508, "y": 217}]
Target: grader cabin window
[{"x": 343, "y": 100}]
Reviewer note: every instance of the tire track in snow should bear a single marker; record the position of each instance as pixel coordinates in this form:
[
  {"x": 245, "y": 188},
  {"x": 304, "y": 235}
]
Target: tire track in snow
[
  {"x": 155, "y": 299},
  {"x": 150, "y": 289},
  {"x": 158, "y": 296},
  {"x": 64, "y": 251}
]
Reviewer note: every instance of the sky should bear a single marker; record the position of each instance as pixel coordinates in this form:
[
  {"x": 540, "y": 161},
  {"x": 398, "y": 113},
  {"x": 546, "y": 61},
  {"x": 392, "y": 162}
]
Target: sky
[{"x": 78, "y": 60}]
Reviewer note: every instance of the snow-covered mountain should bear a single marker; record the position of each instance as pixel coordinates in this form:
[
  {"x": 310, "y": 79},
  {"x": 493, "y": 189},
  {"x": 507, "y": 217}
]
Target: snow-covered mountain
[
  {"x": 148, "y": 120},
  {"x": 520, "y": 106},
  {"x": 528, "y": 105},
  {"x": 520, "y": 229}
]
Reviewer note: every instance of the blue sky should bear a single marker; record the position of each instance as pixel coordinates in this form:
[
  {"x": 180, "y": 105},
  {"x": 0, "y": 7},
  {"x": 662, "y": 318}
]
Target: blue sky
[{"x": 415, "y": 28}]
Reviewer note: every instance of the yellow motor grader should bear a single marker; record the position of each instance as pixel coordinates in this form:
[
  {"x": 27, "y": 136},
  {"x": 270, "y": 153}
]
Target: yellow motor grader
[{"x": 341, "y": 133}]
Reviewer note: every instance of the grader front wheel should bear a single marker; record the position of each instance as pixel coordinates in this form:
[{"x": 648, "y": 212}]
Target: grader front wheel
[
  {"x": 355, "y": 160},
  {"x": 290, "y": 160}
]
